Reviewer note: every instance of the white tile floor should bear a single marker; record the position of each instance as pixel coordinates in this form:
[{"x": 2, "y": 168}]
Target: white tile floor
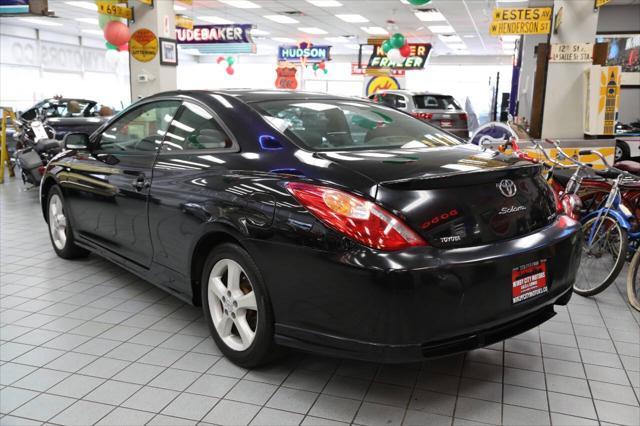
[{"x": 85, "y": 342}]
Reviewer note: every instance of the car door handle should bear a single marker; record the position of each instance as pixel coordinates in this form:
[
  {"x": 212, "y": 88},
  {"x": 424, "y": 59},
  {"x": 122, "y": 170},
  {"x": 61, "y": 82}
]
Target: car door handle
[{"x": 140, "y": 183}]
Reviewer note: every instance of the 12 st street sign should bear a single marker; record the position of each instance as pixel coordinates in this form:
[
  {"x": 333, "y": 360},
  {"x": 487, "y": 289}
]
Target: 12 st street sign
[{"x": 517, "y": 21}]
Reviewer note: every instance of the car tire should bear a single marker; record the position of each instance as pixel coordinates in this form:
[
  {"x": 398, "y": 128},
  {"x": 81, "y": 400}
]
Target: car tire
[
  {"x": 59, "y": 226},
  {"x": 622, "y": 151},
  {"x": 237, "y": 307}
]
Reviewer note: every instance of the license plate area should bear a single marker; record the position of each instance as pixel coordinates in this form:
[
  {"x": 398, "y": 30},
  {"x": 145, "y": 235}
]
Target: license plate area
[
  {"x": 529, "y": 281},
  {"x": 446, "y": 123}
]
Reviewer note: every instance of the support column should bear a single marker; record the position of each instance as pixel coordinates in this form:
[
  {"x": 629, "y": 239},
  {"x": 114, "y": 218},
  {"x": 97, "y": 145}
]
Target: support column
[
  {"x": 161, "y": 20},
  {"x": 564, "y": 97}
]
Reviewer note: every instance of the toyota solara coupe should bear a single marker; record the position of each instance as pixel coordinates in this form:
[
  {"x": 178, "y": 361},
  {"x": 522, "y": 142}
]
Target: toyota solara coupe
[{"x": 311, "y": 221}]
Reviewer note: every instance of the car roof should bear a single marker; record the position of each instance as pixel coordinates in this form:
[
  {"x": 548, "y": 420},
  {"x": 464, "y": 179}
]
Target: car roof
[
  {"x": 254, "y": 95},
  {"x": 413, "y": 93}
]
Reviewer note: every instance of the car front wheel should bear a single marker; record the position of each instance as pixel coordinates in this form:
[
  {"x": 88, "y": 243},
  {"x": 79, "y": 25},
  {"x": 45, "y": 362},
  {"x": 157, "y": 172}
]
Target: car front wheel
[
  {"x": 60, "y": 228},
  {"x": 236, "y": 307}
]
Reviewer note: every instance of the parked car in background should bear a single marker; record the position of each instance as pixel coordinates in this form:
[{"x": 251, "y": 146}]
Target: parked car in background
[
  {"x": 68, "y": 115},
  {"x": 442, "y": 110}
]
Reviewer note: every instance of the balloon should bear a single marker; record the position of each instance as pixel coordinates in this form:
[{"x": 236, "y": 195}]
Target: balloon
[
  {"x": 419, "y": 2},
  {"x": 220, "y": 59},
  {"x": 326, "y": 71},
  {"x": 315, "y": 67},
  {"x": 230, "y": 70},
  {"x": 123, "y": 48},
  {"x": 116, "y": 33},
  {"x": 386, "y": 46},
  {"x": 110, "y": 46},
  {"x": 394, "y": 55},
  {"x": 322, "y": 65},
  {"x": 397, "y": 40},
  {"x": 103, "y": 20},
  {"x": 230, "y": 60},
  {"x": 405, "y": 50}
]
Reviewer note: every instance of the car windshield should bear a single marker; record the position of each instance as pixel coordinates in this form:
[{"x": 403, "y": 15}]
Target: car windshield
[
  {"x": 435, "y": 102},
  {"x": 322, "y": 125},
  {"x": 66, "y": 108}
]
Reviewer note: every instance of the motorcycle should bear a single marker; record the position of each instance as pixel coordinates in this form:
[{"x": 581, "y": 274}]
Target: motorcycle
[{"x": 35, "y": 147}]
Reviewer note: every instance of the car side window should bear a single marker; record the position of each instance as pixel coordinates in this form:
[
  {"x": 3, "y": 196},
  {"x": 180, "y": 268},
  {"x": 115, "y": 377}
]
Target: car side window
[
  {"x": 195, "y": 128},
  {"x": 139, "y": 130},
  {"x": 401, "y": 102}
]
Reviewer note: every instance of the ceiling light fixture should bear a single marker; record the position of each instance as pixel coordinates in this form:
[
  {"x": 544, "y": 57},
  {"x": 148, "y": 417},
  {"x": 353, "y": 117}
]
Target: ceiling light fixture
[
  {"x": 430, "y": 15},
  {"x": 450, "y": 38},
  {"x": 83, "y": 4},
  {"x": 353, "y": 46},
  {"x": 337, "y": 39},
  {"x": 283, "y": 39},
  {"x": 47, "y": 22},
  {"x": 241, "y": 4},
  {"x": 282, "y": 19},
  {"x": 257, "y": 32},
  {"x": 441, "y": 29},
  {"x": 509, "y": 38},
  {"x": 92, "y": 21},
  {"x": 457, "y": 46},
  {"x": 352, "y": 18},
  {"x": 216, "y": 20},
  {"x": 312, "y": 30},
  {"x": 178, "y": 8},
  {"x": 325, "y": 3},
  {"x": 95, "y": 32},
  {"x": 374, "y": 30}
]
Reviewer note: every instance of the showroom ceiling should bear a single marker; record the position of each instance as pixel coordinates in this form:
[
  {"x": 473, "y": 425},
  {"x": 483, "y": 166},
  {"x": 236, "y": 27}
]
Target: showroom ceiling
[{"x": 456, "y": 27}]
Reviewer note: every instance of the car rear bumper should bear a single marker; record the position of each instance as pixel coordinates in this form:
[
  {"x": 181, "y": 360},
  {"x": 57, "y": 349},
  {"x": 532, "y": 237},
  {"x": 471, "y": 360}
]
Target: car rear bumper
[{"x": 423, "y": 302}]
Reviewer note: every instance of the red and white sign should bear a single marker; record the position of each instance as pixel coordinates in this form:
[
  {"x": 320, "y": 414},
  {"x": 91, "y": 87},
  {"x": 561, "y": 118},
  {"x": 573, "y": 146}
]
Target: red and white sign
[
  {"x": 529, "y": 280},
  {"x": 286, "y": 78}
]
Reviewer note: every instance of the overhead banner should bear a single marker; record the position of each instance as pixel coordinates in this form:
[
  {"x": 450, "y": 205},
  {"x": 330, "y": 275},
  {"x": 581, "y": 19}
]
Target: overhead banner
[
  {"x": 207, "y": 34},
  {"x": 14, "y": 6},
  {"x": 415, "y": 61},
  {"x": 312, "y": 54},
  {"x": 519, "y": 21}
]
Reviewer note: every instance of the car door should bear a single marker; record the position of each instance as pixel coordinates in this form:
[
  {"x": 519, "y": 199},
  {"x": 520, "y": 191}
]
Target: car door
[
  {"x": 188, "y": 182},
  {"x": 109, "y": 188}
]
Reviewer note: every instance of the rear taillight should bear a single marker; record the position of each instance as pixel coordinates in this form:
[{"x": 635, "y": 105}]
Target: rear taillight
[
  {"x": 462, "y": 116},
  {"x": 423, "y": 115},
  {"x": 355, "y": 217},
  {"x": 41, "y": 169}
]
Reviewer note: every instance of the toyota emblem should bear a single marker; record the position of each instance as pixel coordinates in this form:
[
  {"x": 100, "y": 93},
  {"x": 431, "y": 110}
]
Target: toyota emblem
[{"x": 507, "y": 187}]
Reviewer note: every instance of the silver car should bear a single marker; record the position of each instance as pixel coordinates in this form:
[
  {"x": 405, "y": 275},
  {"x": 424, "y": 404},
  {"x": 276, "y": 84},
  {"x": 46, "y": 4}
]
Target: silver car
[{"x": 440, "y": 110}]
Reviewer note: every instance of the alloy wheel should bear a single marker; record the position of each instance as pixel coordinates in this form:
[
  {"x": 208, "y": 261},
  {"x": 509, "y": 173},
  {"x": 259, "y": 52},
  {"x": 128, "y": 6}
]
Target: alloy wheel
[
  {"x": 232, "y": 303},
  {"x": 57, "y": 222}
]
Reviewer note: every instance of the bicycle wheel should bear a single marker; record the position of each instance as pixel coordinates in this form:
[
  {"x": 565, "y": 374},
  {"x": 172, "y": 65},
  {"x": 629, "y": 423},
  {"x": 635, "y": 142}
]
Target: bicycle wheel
[
  {"x": 633, "y": 281},
  {"x": 604, "y": 250}
]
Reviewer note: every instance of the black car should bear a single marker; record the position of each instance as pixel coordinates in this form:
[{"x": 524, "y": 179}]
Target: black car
[
  {"x": 316, "y": 222},
  {"x": 66, "y": 115}
]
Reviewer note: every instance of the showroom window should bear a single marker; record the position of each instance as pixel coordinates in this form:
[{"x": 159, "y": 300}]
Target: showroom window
[
  {"x": 139, "y": 130},
  {"x": 195, "y": 128}
]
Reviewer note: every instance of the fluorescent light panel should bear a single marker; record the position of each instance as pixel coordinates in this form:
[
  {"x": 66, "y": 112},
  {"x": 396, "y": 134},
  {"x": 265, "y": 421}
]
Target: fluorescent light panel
[
  {"x": 178, "y": 8},
  {"x": 352, "y": 18},
  {"x": 47, "y": 22},
  {"x": 430, "y": 16},
  {"x": 325, "y": 3},
  {"x": 241, "y": 4},
  {"x": 457, "y": 46},
  {"x": 282, "y": 19},
  {"x": 312, "y": 30},
  {"x": 441, "y": 29},
  {"x": 374, "y": 30},
  {"x": 337, "y": 39},
  {"x": 214, "y": 20},
  {"x": 83, "y": 4},
  {"x": 283, "y": 39},
  {"x": 92, "y": 21},
  {"x": 450, "y": 38},
  {"x": 95, "y": 32},
  {"x": 257, "y": 32}
]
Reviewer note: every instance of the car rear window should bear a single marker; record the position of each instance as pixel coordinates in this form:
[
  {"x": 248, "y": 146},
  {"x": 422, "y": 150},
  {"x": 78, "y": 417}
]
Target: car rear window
[
  {"x": 322, "y": 125},
  {"x": 435, "y": 102}
]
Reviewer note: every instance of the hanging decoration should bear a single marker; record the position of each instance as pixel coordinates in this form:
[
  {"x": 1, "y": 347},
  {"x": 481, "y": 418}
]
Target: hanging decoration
[
  {"x": 229, "y": 62},
  {"x": 116, "y": 33},
  {"x": 322, "y": 65},
  {"x": 115, "y": 29},
  {"x": 396, "y": 48},
  {"x": 419, "y": 2}
]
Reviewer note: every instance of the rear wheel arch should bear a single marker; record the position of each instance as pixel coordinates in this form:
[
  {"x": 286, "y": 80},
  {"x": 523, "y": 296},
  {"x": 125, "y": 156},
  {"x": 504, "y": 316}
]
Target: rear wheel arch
[
  {"x": 45, "y": 187},
  {"x": 199, "y": 255}
]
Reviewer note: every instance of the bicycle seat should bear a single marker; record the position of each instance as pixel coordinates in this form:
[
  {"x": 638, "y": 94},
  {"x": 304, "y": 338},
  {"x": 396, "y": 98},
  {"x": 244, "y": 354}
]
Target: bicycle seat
[
  {"x": 628, "y": 166},
  {"x": 562, "y": 176}
]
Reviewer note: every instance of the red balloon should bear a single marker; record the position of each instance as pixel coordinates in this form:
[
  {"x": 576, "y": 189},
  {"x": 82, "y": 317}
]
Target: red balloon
[
  {"x": 123, "y": 48},
  {"x": 405, "y": 50},
  {"x": 220, "y": 59},
  {"x": 116, "y": 33},
  {"x": 230, "y": 70},
  {"x": 322, "y": 65}
]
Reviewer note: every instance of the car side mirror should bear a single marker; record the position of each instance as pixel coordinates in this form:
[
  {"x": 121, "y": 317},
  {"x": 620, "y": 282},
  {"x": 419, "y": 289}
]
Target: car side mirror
[{"x": 76, "y": 141}]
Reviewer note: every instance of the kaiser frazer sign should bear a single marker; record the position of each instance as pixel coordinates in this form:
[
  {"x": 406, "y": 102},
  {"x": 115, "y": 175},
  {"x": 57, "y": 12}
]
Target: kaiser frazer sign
[{"x": 311, "y": 53}]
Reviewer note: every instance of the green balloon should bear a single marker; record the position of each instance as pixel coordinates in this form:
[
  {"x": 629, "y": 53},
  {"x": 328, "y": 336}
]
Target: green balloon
[
  {"x": 419, "y": 2},
  {"x": 315, "y": 67},
  {"x": 326, "y": 71},
  {"x": 230, "y": 60},
  {"x": 105, "y": 19},
  {"x": 397, "y": 41},
  {"x": 386, "y": 46},
  {"x": 110, "y": 46}
]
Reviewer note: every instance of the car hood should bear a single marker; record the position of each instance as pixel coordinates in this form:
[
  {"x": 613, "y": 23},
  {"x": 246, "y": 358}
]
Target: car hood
[{"x": 400, "y": 165}]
